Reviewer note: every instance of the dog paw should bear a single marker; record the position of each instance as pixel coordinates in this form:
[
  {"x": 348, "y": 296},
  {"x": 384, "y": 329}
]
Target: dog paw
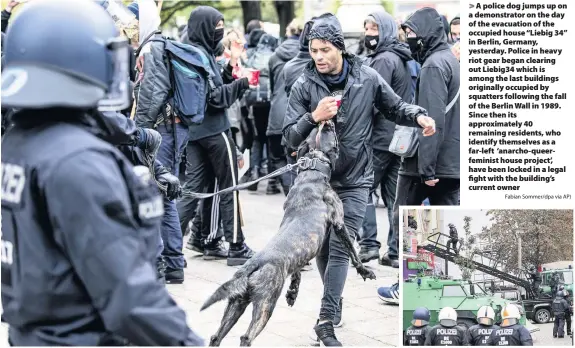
[
  {"x": 366, "y": 273},
  {"x": 290, "y": 297}
]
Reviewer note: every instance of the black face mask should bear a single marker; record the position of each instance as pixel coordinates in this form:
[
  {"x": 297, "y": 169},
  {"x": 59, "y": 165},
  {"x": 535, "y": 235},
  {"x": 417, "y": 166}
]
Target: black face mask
[
  {"x": 371, "y": 42},
  {"x": 415, "y": 46},
  {"x": 218, "y": 36}
]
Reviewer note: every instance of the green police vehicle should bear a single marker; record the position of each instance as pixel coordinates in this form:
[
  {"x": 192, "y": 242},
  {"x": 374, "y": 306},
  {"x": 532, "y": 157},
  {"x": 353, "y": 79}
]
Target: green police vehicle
[
  {"x": 465, "y": 297},
  {"x": 565, "y": 276}
]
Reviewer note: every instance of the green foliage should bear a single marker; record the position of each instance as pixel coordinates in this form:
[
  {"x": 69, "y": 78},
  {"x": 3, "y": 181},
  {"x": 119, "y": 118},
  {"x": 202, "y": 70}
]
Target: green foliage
[
  {"x": 389, "y": 6},
  {"x": 467, "y": 252}
]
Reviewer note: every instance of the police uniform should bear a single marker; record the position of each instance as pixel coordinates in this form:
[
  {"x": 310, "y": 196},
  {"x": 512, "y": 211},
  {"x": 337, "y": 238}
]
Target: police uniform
[
  {"x": 560, "y": 307},
  {"x": 415, "y": 336},
  {"x": 478, "y": 335},
  {"x": 514, "y": 335},
  {"x": 79, "y": 222},
  {"x": 440, "y": 335}
]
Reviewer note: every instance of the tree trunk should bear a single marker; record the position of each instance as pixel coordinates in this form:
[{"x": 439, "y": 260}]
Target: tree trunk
[
  {"x": 286, "y": 12},
  {"x": 251, "y": 10}
]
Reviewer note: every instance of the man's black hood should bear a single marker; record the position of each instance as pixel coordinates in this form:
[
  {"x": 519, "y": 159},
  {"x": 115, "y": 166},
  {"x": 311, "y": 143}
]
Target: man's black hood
[
  {"x": 327, "y": 27},
  {"x": 202, "y": 26},
  {"x": 388, "y": 40},
  {"x": 428, "y": 26},
  {"x": 303, "y": 38},
  {"x": 254, "y": 37}
]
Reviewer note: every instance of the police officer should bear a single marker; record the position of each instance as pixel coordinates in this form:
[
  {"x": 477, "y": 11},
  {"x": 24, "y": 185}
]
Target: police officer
[
  {"x": 535, "y": 279},
  {"x": 569, "y": 312},
  {"x": 418, "y": 331},
  {"x": 79, "y": 222},
  {"x": 559, "y": 307},
  {"x": 478, "y": 335},
  {"x": 453, "y": 238},
  {"x": 446, "y": 333},
  {"x": 510, "y": 332},
  {"x": 554, "y": 283}
]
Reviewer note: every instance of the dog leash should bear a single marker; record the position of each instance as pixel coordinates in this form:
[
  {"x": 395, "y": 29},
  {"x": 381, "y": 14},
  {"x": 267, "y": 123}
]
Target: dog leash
[{"x": 150, "y": 159}]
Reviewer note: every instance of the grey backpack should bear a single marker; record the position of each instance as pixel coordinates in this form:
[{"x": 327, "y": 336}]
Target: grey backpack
[{"x": 405, "y": 140}]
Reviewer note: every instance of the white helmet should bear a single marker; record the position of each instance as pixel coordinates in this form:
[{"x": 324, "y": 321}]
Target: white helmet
[
  {"x": 447, "y": 317},
  {"x": 510, "y": 315},
  {"x": 486, "y": 315}
]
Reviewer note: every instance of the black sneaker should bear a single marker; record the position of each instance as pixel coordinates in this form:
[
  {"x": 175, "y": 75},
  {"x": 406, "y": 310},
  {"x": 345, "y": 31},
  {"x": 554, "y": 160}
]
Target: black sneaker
[
  {"x": 367, "y": 255},
  {"x": 195, "y": 245},
  {"x": 254, "y": 176},
  {"x": 215, "y": 251},
  {"x": 238, "y": 255},
  {"x": 272, "y": 188},
  {"x": 161, "y": 271},
  {"x": 387, "y": 261},
  {"x": 174, "y": 276},
  {"x": 337, "y": 321},
  {"x": 326, "y": 334}
]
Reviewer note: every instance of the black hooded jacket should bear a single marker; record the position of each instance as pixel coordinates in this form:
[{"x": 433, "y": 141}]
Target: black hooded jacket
[
  {"x": 390, "y": 60},
  {"x": 364, "y": 90},
  {"x": 283, "y": 54},
  {"x": 437, "y": 86},
  {"x": 201, "y": 31},
  {"x": 294, "y": 68}
]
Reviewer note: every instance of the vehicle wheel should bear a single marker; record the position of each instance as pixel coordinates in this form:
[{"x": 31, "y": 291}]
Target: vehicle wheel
[
  {"x": 465, "y": 323},
  {"x": 542, "y": 316}
]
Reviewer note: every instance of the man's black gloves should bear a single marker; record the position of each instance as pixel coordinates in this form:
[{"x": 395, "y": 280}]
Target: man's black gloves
[{"x": 172, "y": 184}]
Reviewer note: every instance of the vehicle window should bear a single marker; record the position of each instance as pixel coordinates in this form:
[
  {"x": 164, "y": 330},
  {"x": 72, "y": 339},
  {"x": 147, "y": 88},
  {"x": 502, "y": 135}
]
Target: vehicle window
[
  {"x": 568, "y": 277},
  {"x": 453, "y": 291}
]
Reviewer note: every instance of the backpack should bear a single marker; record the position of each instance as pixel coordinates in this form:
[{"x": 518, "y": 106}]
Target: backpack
[
  {"x": 190, "y": 79},
  {"x": 258, "y": 59}
]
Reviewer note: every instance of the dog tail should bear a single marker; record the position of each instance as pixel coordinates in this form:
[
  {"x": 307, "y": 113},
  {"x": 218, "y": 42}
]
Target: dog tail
[{"x": 237, "y": 286}]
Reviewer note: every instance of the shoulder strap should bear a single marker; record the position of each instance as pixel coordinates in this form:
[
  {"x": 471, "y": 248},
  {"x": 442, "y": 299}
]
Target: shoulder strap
[
  {"x": 450, "y": 105},
  {"x": 137, "y": 53}
]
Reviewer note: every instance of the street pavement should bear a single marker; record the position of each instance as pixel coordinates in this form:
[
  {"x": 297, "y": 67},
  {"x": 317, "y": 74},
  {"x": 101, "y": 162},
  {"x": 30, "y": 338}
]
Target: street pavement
[
  {"x": 367, "y": 320},
  {"x": 544, "y": 337}
]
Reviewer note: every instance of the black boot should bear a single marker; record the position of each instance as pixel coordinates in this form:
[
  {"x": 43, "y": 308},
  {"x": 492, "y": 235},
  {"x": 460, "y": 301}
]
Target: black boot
[
  {"x": 254, "y": 175},
  {"x": 272, "y": 188},
  {"x": 326, "y": 334},
  {"x": 174, "y": 276},
  {"x": 239, "y": 254},
  {"x": 215, "y": 251},
  {"x": 161, "y": 270}
]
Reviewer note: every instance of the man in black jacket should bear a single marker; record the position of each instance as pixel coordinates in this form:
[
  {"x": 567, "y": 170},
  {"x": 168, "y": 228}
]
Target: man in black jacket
[
  {"x": 211, "y": 151},
  {"x": 284, "y": 53},
  {"x": 312, "y": 100},
  {"x": 434, "y": 170},
  {"x": 389, "y": 58}
]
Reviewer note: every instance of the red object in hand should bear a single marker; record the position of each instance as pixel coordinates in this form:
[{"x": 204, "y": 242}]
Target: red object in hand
[
  {"x": 236, "y": 72},
  {"x": 253, "y": 76},
  {"x": 338, "y": 100}
]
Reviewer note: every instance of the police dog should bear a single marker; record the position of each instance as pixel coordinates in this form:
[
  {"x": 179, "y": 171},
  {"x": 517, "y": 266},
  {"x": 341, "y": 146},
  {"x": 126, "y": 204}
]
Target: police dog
[{"x": 311, "y": 210}]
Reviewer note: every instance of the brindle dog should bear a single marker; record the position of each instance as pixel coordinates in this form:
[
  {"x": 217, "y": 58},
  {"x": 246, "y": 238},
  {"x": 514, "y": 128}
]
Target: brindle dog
[{"x": 311, "y": 209}]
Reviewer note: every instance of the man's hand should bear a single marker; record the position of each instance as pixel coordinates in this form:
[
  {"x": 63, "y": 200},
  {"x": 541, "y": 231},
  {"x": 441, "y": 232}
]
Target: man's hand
[
  {"x": 326, "y": 110},
  {"x": 456, "y": 50},
  {"x": 431, "y": 182},
  {"x": 172, "y": 183},
  {"x": 236, "y": 49},
  {"x": 428, "y": 125},
  {"x": 240, "y": 163}
]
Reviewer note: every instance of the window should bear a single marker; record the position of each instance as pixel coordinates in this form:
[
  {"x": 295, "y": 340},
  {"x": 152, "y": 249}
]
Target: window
[
  {"x": 453, "y": 291},
  {"x": 568, "y": 277}
]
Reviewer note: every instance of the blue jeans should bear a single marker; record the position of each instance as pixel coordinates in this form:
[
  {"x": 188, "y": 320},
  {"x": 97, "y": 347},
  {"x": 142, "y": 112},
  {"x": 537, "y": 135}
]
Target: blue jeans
[
  {"x": 386, "y": 171},
  {"x": 170, "y": 156}
]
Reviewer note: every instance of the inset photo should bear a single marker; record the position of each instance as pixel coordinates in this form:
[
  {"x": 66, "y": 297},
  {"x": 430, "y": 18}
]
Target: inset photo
[{"x": 487, "y": 277}]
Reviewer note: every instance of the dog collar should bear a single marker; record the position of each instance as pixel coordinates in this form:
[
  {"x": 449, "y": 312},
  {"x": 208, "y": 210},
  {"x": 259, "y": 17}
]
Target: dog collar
[{"x": 315, "y": 164}]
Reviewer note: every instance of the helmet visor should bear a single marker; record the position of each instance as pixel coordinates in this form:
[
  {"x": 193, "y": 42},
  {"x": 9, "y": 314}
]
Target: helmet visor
[
  {"x": 419, "y": 322},
  {"x": 485, "y": 321},
  {"x": 119, "y": 94}
]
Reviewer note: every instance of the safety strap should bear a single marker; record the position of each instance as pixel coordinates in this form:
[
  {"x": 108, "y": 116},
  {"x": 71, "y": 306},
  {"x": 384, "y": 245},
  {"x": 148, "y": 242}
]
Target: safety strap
[{"x": 450, "y": 105}]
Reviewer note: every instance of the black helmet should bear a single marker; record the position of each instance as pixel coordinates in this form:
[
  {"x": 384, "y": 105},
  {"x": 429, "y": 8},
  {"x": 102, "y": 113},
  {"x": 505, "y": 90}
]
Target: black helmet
[
  {"x": 65, "y": 53},
  {"x": 421, "y": 317},
  {"x": 451, "y": 225}
]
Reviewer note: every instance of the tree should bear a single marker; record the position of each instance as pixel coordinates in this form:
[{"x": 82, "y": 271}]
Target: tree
[
  {"x": 251, "y": 10},
  {"x": 464, "y": 261},
  {"x": 547, "y": 236},
  {"x": 286, "y": 12}
]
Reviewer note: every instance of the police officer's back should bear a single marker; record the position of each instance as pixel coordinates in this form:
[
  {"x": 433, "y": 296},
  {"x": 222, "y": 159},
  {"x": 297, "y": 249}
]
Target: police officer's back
[
  {"x": 79, "y": 225},
  {"x": 560, "y": 307},
  {"x": 510, "y": 332},
  {"x": 419, "y": 329},
  {"x": 478, "y": 335},
  {"x": 447, "y": 332}
]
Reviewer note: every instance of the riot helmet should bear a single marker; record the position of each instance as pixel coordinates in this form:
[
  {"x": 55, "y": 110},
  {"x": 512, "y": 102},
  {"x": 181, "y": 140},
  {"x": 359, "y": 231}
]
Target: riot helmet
[
  {"x": 486, "y": 315},
  {"x": 510, "y": 315},
  {"x": 447, "y": 317},
  {"x": 67, "y": 54},
  {"x": 421, "y": 317}
]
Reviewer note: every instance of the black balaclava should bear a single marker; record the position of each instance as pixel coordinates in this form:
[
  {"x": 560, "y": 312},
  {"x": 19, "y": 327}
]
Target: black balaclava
[
  {"x": 387, "y": 39},
  {"x": 427, "y": 24},
  {"x": 202, "y": 28}
]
